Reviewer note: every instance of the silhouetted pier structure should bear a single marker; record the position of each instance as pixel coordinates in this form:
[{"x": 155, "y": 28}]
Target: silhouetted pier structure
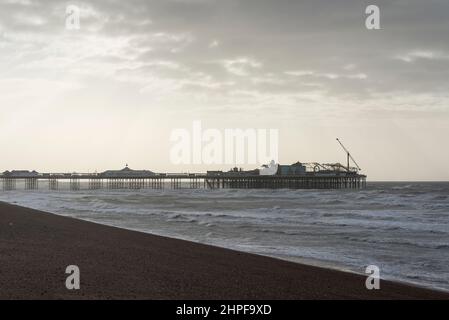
[
  {"x": 298, "y": 175},
  {"x": 184, "y": 181}
]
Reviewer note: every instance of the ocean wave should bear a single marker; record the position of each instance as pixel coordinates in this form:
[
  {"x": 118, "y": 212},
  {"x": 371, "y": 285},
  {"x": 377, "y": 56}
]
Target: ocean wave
[
  {"x": 398, "y": 242},
  {"x": 439, "y": 197},
  {"x": 278, "y": 231}
]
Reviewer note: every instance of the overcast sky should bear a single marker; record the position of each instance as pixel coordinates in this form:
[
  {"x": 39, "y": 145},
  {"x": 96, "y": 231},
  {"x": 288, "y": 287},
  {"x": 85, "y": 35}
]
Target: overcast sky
[{"x": 111, "y": 92}]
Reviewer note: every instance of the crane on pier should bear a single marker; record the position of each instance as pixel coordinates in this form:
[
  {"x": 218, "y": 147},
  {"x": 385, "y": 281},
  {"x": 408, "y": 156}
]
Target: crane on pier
[{"x": 348, "y": 155}]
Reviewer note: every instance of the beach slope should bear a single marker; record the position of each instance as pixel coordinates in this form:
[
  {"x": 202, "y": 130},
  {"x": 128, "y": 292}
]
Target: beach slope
[{"x": 36, "y": 247}]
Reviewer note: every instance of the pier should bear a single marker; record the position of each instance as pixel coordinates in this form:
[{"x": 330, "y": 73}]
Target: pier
[
  {"x": 224, "y": 180},
  {"x": 311, "y": 175}
]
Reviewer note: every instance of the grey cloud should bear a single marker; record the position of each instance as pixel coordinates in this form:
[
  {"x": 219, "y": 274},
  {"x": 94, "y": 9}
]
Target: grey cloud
[{"x": 279, "y": 36}]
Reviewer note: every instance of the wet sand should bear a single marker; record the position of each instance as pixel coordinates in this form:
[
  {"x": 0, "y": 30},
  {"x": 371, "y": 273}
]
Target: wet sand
[{"x": 36, "y": 247}]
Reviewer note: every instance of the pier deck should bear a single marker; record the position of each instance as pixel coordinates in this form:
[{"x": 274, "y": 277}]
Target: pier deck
[{"x": 181, "y": 181}]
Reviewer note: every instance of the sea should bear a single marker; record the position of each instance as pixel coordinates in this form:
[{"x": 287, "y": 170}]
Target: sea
[{"x": 401, "y": 227}]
